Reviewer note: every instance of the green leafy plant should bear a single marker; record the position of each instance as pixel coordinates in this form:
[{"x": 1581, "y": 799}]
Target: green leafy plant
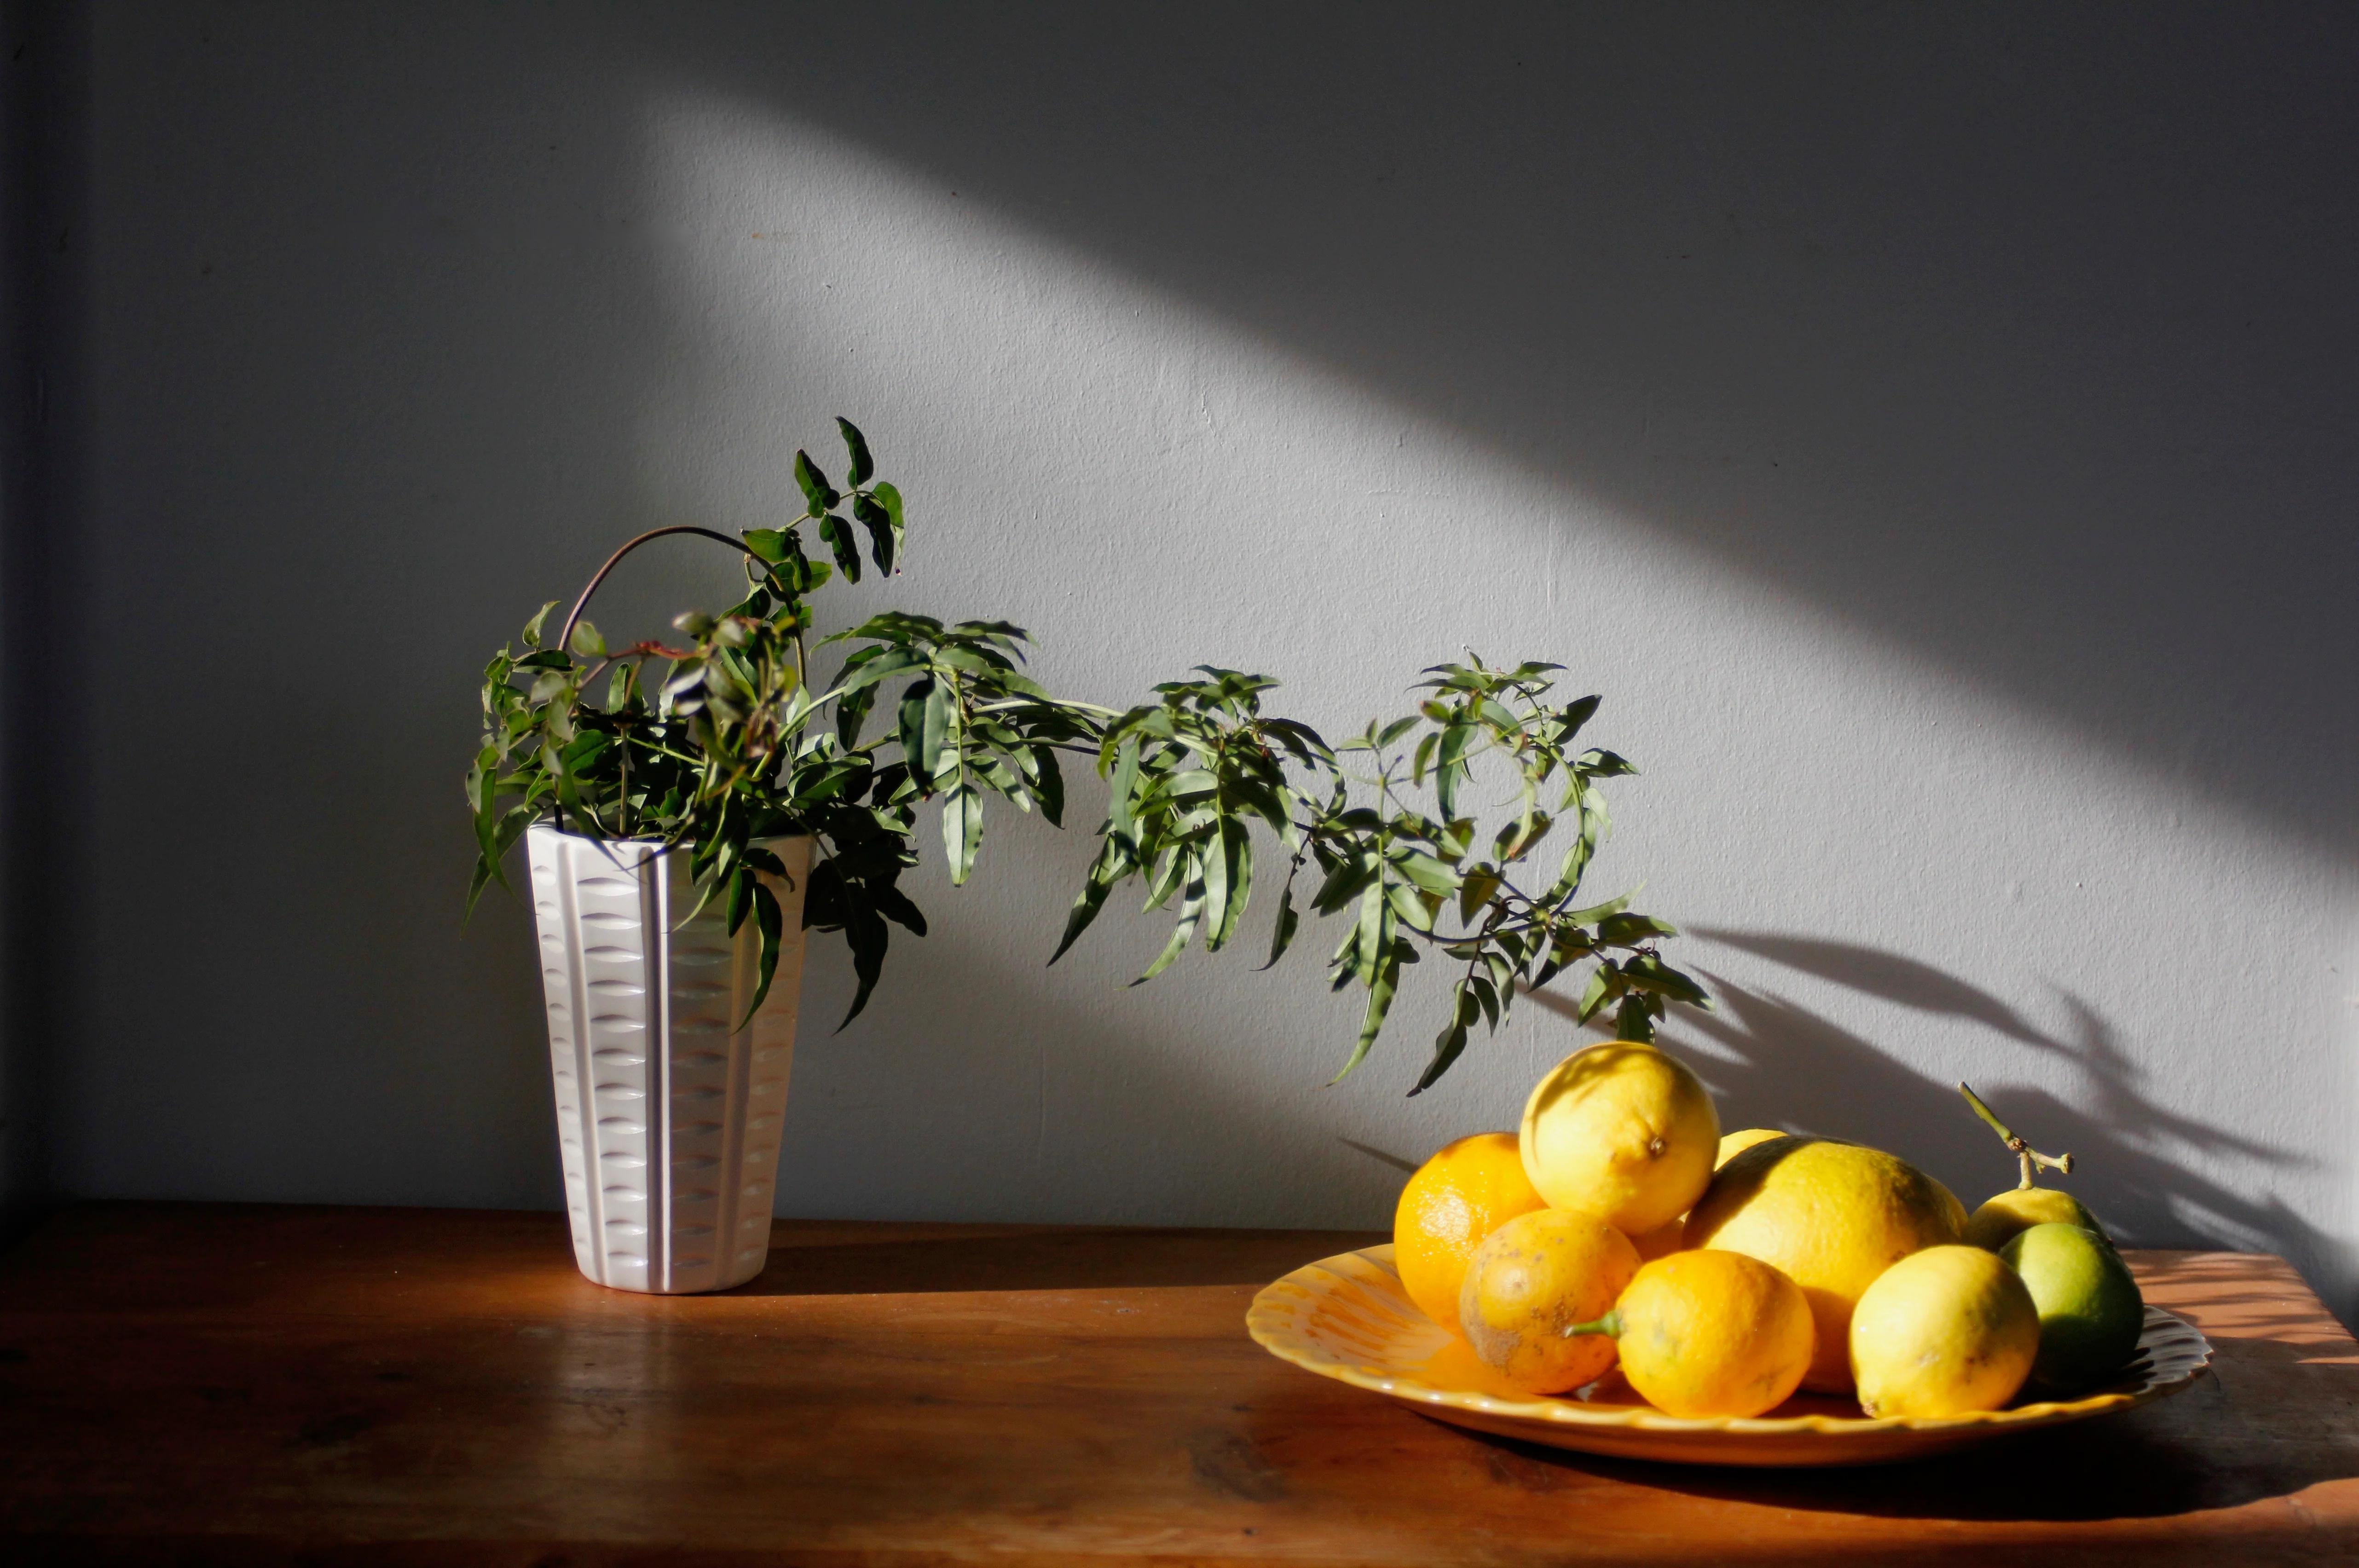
[
  {"x": 721, "y": 746},
  {"x": 1192, "y": 776}
]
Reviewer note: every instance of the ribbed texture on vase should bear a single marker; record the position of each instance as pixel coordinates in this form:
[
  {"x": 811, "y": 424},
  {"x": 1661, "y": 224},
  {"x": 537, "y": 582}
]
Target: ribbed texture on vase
[{"x": 667, "y": 1120}]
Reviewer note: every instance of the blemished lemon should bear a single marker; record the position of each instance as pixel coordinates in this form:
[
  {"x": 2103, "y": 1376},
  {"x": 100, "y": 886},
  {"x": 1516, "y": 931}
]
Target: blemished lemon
[
  {"x": 1943, "y": 1332},
  {"x": 2016, "y": 1210},
  {"x": 1833, "y": 1216},
  {"x": 1466, "y": 1191},
  {"x": 1621, "y": 1130},
  {"x": 1532, "y": 1279},
  {"x": 1731, "y": 1144},
  {"x": 1713, "y": 1334}
]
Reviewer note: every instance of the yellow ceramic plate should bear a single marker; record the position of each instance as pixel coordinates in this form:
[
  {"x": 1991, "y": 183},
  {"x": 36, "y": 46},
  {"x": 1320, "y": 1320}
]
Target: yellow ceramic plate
[{"x": 1346, "y": 1317}]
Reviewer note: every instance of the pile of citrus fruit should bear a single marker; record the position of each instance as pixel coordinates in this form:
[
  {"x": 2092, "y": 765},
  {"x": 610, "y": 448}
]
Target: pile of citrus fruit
[{"x": 1618, "y": 1226}]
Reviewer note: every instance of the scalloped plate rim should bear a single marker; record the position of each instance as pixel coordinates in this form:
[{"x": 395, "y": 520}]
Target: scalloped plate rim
[{"x": 1282, "y": 1341}]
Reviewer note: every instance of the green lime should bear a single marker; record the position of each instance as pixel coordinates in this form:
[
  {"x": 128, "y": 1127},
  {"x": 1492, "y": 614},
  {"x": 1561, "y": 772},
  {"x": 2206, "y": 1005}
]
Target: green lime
[{"x": 2090, "y": 1309}]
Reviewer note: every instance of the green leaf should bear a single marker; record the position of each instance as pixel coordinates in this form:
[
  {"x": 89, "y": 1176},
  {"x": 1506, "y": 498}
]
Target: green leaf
[
  {"x": 885, "y": 664},
  {"x": 1396, "y": 729},
  {"x": 772, "y": 921},
  {"x": 837, "y": 533},
  {"x": 1236, "y": 844},
  {"x": 1635, "y": 1019},
  {"x": 1375, "y": 930},
  {"x": 1475, "y": 892},
  {"x": 884, "y": 541},
  {"x": 1410, "y": 907},
  {"x": 1381, "y": 984},
  {"x": 1281, "y": 936},
  {"x": 890, "y": 500},
  {"x": 1424, "y": 758},
  {"x": 587, "y": 642},
  {"x": 925, "y": 730},
  {"x": 868, "y": 938},
  {"x": 1345, "y": 882},
  {"x": 856, "y": 444},
  {"x": 1604, "y": 985},
  {"x": 1597, "y": 911},
  {"x": 1487, "y": 997},
  {"x": 935, "y": 748},
  {"x": 767, "y": 544},
  {"x": 1625, "y": 930},
  {"x": 1648, "y": 973},
  {"x": 1124, "y": 786},
  {"x": 1519, "y": 836},
  {"x": 1433, "y": 875},
  {"x": 815, "y": 488},
  {"x": 1216, "y": 891},
  {"x": 532, "y": 628},
  {"x": 961, "y": 829},
  {"x": 1448, "y": 1046},
  {"x": 1086, "y": 907},
  {"x": 1192, "y": 910}
]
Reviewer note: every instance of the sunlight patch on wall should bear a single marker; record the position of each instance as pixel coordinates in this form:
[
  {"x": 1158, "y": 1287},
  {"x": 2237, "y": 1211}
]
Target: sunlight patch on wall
[{"x": 1910, "y": 879}]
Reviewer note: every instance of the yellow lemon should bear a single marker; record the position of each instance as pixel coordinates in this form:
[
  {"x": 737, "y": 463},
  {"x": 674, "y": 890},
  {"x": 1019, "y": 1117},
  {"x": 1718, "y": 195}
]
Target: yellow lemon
[
  {"x": 1833, "y": 1216},
  {"x": 1622, "y": 1130},
  {"x": 1466, "y": 1192},
  {"x": 1731, "y": 1144},
  {"x": 1712, "y": 1334},
  {"x": 1943, "y": 1332},
  {"x": 1535, "y": 1277},
  {"x": 2003, "y": 1218}
]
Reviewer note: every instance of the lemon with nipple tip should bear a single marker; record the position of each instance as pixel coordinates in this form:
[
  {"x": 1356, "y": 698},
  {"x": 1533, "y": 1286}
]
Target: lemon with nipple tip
[
  {"x": 1710, "y": 1334},
  {"x": 1622, "y": 1130},
  {"x": 1833, "y": 1216},
  {"x": 2008, "y": 1214}
]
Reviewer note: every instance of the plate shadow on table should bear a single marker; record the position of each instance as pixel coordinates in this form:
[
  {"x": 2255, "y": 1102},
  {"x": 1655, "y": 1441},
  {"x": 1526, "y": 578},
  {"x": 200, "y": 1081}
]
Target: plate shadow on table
[{"x": 2189, "y": 1453}]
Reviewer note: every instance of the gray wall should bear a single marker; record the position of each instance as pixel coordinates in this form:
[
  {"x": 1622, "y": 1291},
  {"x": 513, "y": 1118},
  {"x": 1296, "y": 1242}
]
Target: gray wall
[{"x": 1932, "y": 428}]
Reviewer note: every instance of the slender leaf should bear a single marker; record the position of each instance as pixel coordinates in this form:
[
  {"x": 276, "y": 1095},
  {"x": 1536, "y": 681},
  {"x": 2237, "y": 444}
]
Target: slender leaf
[
  {"x": 814, "y": 484},
  {"x": 837, "y": 533},
  {"x": 1281, "y": 934},
  {"x": 863, "y": 466},
  {"x": 1192, "y": 910},
  {"x": 1382, "y": 982}
]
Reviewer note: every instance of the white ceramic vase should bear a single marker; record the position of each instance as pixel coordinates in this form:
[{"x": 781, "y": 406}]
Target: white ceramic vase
[{"x": 668, "y": 1116}]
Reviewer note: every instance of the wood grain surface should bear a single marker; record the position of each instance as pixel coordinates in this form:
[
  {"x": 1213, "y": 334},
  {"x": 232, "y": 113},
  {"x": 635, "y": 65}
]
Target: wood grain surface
[{"x": 203, "y": 1384}]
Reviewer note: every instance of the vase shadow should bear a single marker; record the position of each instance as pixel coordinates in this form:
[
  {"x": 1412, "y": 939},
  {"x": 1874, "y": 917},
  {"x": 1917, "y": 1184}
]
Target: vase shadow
[{"x": 957, "y": 1258}]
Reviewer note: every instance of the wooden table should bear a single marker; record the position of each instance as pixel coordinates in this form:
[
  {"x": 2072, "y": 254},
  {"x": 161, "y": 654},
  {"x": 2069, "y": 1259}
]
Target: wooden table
[{"x": 204, "y": 1384}]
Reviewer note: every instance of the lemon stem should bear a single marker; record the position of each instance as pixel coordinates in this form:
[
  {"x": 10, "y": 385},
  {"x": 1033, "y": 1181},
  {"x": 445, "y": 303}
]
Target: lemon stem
[
  {"x": 1610, "y": 1326},
  {"x": 2031, "y": 1158}
]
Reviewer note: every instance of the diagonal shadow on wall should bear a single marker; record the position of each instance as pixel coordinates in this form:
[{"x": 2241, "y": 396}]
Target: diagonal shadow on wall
[{"x": 2016, "y": 335}]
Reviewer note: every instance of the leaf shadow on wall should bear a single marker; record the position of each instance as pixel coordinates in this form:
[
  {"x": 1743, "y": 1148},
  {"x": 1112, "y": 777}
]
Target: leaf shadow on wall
[
  {"x": 1774, "y": 1063},
  {"x": 1778, "y": 1064},
  {"x": 1789, "y": 1066}
]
